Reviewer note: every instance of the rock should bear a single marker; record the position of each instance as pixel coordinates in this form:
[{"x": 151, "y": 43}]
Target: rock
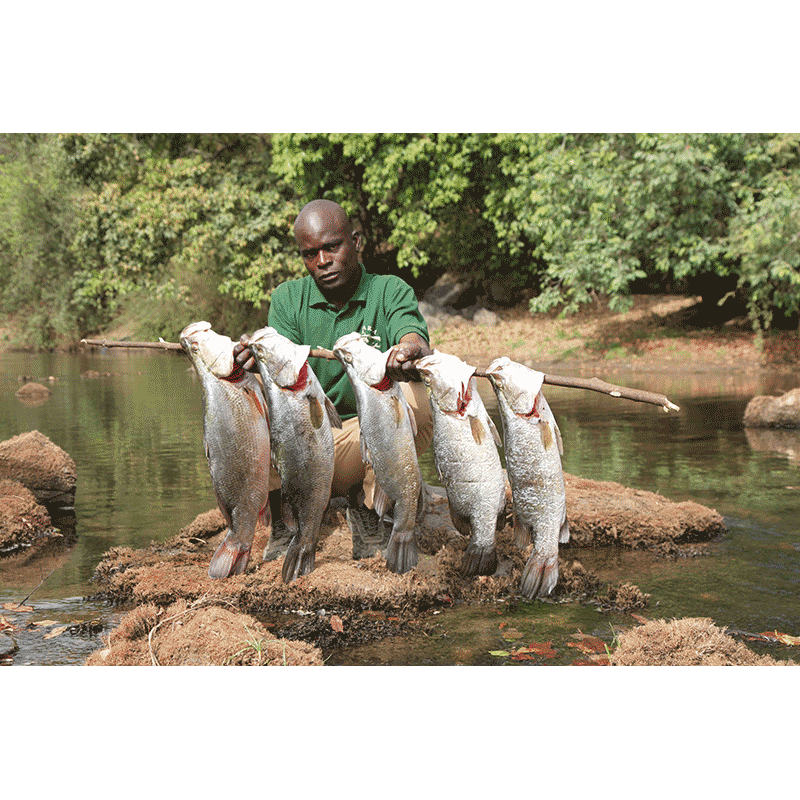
[
  {"x": 485, "y": 317},
  {"x": 41, "y": 466},
  {"x": 32, "y": 391},
  {"x": 604, "y": 513},
  {"x": 684, "y": 642},
  {"x": 445, "y": 292},
  {"x": 774, "y": 412},
  {"x": 24, "y": 523}
]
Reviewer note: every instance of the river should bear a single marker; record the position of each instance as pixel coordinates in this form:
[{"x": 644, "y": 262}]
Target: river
[{"x": 135, "y": 434}]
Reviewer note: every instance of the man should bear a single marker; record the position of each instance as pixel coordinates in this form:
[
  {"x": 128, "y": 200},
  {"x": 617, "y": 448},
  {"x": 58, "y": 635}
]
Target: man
[{"x": 338, "y": 297}]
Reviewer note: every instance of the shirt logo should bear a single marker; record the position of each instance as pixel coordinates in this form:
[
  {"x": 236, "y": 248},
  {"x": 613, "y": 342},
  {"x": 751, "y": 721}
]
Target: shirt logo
[{"x": 369, "y": 333}]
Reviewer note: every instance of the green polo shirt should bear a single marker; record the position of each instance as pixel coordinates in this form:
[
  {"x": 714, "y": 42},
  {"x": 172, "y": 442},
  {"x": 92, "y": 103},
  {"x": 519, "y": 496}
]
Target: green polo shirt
[{"x": 383, "y": 309}]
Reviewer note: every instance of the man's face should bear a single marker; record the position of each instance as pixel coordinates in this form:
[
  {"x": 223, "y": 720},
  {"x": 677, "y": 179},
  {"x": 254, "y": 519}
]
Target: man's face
[{"x": 329, "y": 250}]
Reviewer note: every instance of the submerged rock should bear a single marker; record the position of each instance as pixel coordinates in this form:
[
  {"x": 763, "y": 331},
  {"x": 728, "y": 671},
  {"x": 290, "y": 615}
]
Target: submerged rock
[
  {"x": 767, "y": 411},
  {"x": 41, "y": 466}
]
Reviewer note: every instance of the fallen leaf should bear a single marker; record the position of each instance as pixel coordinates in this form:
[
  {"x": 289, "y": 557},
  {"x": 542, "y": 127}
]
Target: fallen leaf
[
  {"x": 512, "y": 633},
  {"x": 522, "y": 656},
  {"x": 336, "y": 624},
  {"x": 785, "y": 638},
  {"x": 56, "y": 632},
  {"x": 543, "y": 649},
  {"x": 5, "y": 625},
  {"x": 499, "y": 653},
  {"x": 44, "y": 622},
  {"x": 15, "y": 607},
  {"x": 587, "y": 643}
]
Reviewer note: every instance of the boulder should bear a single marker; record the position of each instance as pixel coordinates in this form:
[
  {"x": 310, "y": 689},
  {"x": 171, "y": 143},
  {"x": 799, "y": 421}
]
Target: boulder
[
  {"x": 766, "y": 411},
  {"x": 24, "y": 523},
  {"x": 41, "y": 466}
]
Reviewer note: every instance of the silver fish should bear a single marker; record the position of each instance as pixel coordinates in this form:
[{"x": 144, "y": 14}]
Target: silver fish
[
  {"x": 465, "y": 452},
  {"x": 533, "y": 450},
  {"x": 301, "y": 416},
  {"x": 388, "y": 429},
  {"x": 237, "y": 443}
]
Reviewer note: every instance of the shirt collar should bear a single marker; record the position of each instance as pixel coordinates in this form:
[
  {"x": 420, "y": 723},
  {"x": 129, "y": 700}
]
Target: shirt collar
[{"x": 359, "y": 296}]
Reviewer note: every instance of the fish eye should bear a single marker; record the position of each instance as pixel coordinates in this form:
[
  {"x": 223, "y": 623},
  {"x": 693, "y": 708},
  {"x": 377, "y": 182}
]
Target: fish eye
[{"x": 195, "y": 346}]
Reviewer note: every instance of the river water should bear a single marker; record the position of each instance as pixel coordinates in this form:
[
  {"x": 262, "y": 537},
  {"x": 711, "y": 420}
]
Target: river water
[{"x": 135, "y": 434}]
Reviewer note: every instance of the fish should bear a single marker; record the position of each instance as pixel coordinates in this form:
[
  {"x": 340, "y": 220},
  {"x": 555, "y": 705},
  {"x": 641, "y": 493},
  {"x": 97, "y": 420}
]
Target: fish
[
  {"x": 388, "y": 429},
  {"x": 302, "y": 419},
  {"x": 533, "y": 450},
  {"x": 465, "y": 454},
  {"x": 237, "y": 443}
]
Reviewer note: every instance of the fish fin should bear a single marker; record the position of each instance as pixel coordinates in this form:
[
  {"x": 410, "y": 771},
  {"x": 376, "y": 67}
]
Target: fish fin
[
  {"x": 479, "y": 560},
  {"x": 401, "y": 552},
  {"x": 381, "y": 501},
  {"x": 461, "y": 523},
  {"x": 365, "y": 456},
  {"x": 265, "y": 516},
  {"x": 230, "y": 558},
  {"x": 547, "y": 434},
  {"x": 477, "y": 429},
  {"x": 540, "y": 575},
  {"x": 522, "y": 534},
  {"x": 253, "y": 396},
  {"x": 563, "y": 534},
  {"x": 333, "y": 414},
  {"x": 299, "y": 559},
  {"x": 422, "y": 504},
  {"x": 289, "y": 517},
  {"x": 493, "y": 429},
  {"x": 559, "y": 440},
  {"x": 316, "y": 412},
  {"x": 398, "y": 411}
]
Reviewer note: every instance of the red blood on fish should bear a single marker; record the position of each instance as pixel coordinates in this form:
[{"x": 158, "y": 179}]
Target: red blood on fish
[
  {"x": 302, "y": 379},
  {"x": 384, "y": 385},
  {"x": 237, "y": 374}
]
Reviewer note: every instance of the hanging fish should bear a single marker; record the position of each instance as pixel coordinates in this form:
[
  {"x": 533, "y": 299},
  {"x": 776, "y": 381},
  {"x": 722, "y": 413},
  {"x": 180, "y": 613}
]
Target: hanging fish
[
  {"x": 237, "y": 443},
  {"x": 301, "y": 417},
  {"x": 387, "y": 429},
  {"x": 533, "y": 450},
  {"x": 465, "y": 453}
]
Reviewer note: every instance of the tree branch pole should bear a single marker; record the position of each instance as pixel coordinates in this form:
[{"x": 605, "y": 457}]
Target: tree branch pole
[{"x": 592, "y": 384}]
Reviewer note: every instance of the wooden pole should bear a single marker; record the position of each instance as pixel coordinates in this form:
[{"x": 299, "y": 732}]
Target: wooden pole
[{"x": 592, "y": 384}]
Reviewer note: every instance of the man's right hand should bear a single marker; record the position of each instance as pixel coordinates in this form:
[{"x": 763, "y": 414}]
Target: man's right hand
[{"x": 243, "y": 356}]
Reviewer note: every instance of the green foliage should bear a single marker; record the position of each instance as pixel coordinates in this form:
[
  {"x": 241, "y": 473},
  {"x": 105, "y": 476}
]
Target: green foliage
[
  {"x": 37, "y": 223},
  {"x": 168, "y": 228},
  {"x": 765, "y": 238}
]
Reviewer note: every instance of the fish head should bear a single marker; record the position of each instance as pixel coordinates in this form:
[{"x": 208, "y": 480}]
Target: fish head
[
  {"x": 365, "y": 361},
  {"x": 518, "y": 384},
  {"x": 280, "y": 356},
  {"x": 448, "y": 380},
  {"x": 210, "y": 351}
]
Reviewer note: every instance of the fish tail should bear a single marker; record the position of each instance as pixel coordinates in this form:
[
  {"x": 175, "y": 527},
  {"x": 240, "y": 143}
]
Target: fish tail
[
  {"x": 479, "y": 560},
  {"x": 540, "y": 575},
  {"x": 299, "y": 559},
  {"x": 231, "y": 558},
  {"x": 401, "y": 552}
]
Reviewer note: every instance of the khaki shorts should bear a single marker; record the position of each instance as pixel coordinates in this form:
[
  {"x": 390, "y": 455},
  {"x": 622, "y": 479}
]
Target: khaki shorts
[{"x": 349, "y": 470}]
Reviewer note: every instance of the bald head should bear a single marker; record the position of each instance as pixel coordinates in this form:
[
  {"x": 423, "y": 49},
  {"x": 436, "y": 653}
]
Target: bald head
[{"x": 321, "y": 215}]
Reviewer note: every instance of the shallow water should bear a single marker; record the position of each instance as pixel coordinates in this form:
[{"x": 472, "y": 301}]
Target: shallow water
[{"x": 136, "y": 437}]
